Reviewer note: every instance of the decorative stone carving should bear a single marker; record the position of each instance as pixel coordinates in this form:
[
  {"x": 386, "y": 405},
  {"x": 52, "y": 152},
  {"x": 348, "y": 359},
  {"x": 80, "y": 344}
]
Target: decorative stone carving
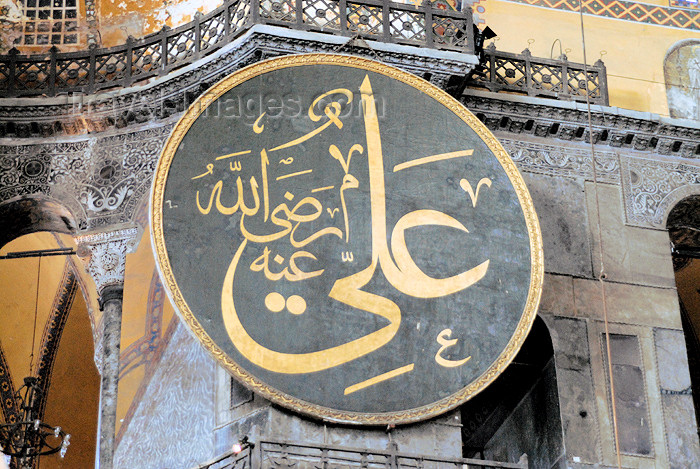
[
  {"x": 119, "y": 173},
  {"x": 104, "y": 255},
  {"x": 563, "y": 161},
  {"x": 652, "y": 187},
  {"x": 100, "y": 180},
  {"x": 570, "y": 122}
]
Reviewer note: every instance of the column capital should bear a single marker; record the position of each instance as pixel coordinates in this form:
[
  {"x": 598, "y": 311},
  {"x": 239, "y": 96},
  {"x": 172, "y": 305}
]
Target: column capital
[{"x": 104, "y": 256}]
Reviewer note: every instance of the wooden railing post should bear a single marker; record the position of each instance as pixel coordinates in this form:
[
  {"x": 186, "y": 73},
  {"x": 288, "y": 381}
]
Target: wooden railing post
[
  {"x": 92, "y": 69},
  {"x": 228, "y": 8},
  {"x": 491, "y": 51},
  {"x": 602, "y": 81},
  {"x": 163, "y": 36},
  {"x": 255, "y": 10},
  {"x": 299, "y": 11},
  {"x": 128, "y": 75},
  {"x": 429, "y": 31},
  {"x": 12, "y": 71},
  {"x": 343, "y": 16},
  {"x": 528, "y": 72},
  {"x": 386, "y": 21},
  {"x": 52, "y": 70},
  {"x": 565, "y": 85},
  {"x": 197, "y": 34},
  {"x": 471, "y": 46}
]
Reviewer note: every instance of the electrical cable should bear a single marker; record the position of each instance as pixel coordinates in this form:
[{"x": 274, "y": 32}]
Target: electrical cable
[
  {"x": 601, "y": 274},
  {"x": 36, "y": 308}
]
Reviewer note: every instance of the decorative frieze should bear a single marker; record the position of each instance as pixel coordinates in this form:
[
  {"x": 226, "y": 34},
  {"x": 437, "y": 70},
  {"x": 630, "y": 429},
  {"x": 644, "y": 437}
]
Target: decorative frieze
[
  {"x": 563, "y": 161},
  {"x": 100, "y": 180},
  {"x": 569, "y": 122}
]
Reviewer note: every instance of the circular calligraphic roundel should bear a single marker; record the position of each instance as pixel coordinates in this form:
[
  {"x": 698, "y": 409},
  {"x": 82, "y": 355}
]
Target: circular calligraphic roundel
[{"x": 346, "y": 239}]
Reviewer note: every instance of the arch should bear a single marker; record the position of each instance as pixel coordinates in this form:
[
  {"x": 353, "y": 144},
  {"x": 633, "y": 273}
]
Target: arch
[
  {"x": 523, "y": 400},
  {"x": 671, "y": 200},
  {"x": 683, "y": 224},
  {"x": 47, "y": 289},
  {"x": 28, "y": 214}
]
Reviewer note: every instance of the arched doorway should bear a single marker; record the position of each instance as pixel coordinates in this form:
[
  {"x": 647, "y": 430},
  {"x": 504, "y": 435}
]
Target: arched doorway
[
  {"x": 56, "y": 348},
  {"x": 683, "y": 226},
  {"x": 519, "y": 412}
]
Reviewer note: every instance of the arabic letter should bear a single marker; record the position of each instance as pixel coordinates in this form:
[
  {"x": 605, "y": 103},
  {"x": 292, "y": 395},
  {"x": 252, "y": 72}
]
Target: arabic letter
[
  {"x": 295, "y": 363},
  {"x": 298, "y": 274},
  {"x": 443, "y": 339},
  {"x": 216, "y": 193},
  {"x": 412, "y": 281},
  {"x": 315, "y": 117}
]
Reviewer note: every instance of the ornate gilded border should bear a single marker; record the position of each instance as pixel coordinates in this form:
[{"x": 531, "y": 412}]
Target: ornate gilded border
[
  {"x": 327, "y": 414},
  {"x": 53, "y": 330}
]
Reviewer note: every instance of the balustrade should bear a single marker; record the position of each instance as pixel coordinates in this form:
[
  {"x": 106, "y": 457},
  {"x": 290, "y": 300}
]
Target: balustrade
[{"x": 158, "y": 54}]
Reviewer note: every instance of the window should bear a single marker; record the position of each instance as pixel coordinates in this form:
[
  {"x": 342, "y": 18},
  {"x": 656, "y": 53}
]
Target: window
[
  {"x": 634, "y": 427},
  {"x": 50, "y": 22}
]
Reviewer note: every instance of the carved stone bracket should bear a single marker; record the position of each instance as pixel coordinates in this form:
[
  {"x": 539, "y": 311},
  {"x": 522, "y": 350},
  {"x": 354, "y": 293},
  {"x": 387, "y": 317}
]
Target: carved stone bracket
[{"x": 104, "y": 255}]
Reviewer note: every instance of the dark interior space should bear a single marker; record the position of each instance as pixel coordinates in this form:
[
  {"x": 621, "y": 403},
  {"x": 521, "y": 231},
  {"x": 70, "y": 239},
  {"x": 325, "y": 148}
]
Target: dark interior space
[
  {"x": 684, "y": 231},
  {"x": 521, "y": 402}
]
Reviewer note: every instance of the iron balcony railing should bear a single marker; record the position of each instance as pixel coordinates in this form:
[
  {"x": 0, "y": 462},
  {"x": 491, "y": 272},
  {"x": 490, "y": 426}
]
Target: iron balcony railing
[
  {"x": 94, "y": 70},
  {"x": 551, "y": 78},
  {"x": 279, "y": 454},
  {"x": 160, "y": 53}
]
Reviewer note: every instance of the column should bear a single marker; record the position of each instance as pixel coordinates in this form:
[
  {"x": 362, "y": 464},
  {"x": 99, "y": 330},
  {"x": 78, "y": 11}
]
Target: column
[{"x": 104, "y": 256}]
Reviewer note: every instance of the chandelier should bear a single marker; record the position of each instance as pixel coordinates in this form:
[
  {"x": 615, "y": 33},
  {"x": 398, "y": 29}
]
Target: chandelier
[{"x": 28, "y": 437}]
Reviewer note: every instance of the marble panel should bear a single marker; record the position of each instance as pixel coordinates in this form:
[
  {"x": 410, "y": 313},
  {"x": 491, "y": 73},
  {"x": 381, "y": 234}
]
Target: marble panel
[
  {"x": 561, "y": 208},
  {"x": 679, "y": 416},
  {"x": 173, "y": 425},
  {"x": 629, "y": 304},
  {"x": 630, "y": 254}
]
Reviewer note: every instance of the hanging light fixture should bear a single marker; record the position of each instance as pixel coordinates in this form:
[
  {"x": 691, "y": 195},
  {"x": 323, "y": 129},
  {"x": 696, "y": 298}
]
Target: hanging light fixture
[{"x": 29, "y": 437}]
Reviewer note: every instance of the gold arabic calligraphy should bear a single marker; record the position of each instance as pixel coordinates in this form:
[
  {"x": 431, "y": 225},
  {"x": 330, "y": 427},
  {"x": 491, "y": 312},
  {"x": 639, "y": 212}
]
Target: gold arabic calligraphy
[{"x": 394, "y": 260}]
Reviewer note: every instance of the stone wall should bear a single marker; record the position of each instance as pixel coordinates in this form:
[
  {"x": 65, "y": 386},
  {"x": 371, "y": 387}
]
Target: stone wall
[{"x": 607, "y": 260}]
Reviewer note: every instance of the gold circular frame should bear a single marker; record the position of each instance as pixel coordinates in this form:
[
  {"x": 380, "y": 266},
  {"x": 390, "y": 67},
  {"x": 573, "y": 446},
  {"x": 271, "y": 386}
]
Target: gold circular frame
[{"x": 296, "y": 404}]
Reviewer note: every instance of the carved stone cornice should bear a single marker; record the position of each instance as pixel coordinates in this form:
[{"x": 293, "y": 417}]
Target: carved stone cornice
[
  {"x": 104, "y": 256},
  {"x": 172, "y": 94},
  {"x": 612, "y": 127}
]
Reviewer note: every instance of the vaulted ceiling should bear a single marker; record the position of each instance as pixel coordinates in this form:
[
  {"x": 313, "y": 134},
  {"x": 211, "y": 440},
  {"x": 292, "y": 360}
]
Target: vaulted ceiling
[{"x": 49, "y": 289}]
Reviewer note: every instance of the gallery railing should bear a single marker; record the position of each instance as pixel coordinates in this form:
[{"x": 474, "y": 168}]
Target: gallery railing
[
  {"x": 160, "y": 53},
  {"x": 278, "y": 454},
  {"x": 552, "y": 78}
]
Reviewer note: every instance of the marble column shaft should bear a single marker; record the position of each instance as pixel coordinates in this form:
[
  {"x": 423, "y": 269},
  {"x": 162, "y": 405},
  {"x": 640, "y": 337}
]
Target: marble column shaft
[
  {"x": 105, "y": 258},
  {"x": 111, "y": 301}
]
